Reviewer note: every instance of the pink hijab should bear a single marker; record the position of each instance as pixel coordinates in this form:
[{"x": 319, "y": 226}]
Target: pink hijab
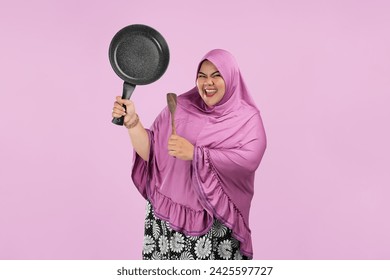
[{"x": 229, "y": 141}]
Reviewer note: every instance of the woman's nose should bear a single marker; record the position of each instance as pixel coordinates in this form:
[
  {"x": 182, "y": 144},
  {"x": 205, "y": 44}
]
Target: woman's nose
[{"x": 209, "y": 81}]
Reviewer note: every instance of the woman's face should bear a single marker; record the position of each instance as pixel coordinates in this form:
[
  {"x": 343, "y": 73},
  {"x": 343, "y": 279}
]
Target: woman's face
[{"x": 210, "y": 83}]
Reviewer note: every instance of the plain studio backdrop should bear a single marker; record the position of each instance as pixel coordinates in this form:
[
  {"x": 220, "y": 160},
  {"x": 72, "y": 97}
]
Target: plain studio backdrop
[{"x": 318, "y": 70}]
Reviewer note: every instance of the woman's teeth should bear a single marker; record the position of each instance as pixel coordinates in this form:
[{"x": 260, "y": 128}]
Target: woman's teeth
[{"x": 210, "y": 92}]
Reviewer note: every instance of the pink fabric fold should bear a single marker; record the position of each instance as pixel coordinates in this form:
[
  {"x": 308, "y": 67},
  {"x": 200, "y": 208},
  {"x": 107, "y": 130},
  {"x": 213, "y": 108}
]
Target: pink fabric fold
[
  {"x": 229, "y": 141},
  {"x": 183, "y": 218}
]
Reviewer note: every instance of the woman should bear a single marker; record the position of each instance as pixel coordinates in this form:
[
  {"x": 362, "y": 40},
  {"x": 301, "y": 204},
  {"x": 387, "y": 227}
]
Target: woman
[{"x": 199, "y": 183}]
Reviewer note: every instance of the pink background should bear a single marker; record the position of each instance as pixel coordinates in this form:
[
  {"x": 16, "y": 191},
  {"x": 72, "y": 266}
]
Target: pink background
[{"x": 319, "y": 71}]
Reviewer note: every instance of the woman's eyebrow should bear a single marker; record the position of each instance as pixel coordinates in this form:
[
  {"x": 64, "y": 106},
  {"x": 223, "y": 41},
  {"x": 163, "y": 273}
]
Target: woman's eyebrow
[{"x": 216, "y": 72}]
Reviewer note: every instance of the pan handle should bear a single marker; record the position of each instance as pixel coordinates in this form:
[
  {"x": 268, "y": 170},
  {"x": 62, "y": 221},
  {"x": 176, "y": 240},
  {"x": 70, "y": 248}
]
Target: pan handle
[{"x": 127, "y": 91}]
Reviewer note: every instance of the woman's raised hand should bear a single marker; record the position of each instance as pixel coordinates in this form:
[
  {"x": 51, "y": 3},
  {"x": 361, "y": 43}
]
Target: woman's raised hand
[{"x": 119, "y": 111}]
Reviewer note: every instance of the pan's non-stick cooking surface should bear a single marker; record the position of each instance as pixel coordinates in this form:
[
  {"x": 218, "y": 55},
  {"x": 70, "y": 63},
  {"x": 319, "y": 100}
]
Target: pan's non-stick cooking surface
[{"x": 139, "y": 54}]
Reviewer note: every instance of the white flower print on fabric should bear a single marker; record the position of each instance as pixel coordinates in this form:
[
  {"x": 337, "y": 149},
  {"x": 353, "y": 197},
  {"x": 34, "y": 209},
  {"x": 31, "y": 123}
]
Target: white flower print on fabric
[
  {"x": 215, "y": 245},
  {"x": 156, "y": 230},
  {"x": 148, "y": 244},
  {"x": 237, "y": 255},
  {"x": 164, "y": 230},
  {"x": 235, "y": 243},
  {"x": 177, "y": 242},
  {"x": 186, "y": 256},
  {"x": 188, "y": 244},
  {"x": 163, "y": 244},
  {"x": 192, "y": 238},
  {"x": 219, "y": 230},
  {"x": 156, "y": 255},
  {"x": 225, "y": 249},
  {"x": 168, "y": 227},
  {"x": 148, "y": 209},
  {"x": 203, "y": 248},
  {"x": 148, "y": 223}
]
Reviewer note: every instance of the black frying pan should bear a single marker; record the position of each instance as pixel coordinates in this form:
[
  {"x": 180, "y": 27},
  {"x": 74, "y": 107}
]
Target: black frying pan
[{"x": 139, "y": 55}]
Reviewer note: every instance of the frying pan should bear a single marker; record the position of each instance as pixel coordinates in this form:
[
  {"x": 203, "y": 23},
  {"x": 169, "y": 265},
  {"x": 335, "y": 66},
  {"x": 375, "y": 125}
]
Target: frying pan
[{"x": 139, "y": 55}]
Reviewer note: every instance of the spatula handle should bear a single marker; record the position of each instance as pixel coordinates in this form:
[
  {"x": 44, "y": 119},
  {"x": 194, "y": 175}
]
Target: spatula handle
[
  {"x": 173, "y": 124},
  {"x": 172, "y": 103}
]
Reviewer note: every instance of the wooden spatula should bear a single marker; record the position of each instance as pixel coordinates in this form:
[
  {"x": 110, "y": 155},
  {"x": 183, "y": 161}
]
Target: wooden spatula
[{"x": 172, "y": 103}]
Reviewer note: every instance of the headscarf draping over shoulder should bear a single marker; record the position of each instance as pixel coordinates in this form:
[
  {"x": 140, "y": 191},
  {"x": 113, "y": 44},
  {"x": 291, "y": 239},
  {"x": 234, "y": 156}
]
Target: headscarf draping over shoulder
[{"x": 229, "y": 141}]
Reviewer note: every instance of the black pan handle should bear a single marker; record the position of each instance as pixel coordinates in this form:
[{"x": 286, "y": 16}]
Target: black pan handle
[{"x": 127, "y": 92}]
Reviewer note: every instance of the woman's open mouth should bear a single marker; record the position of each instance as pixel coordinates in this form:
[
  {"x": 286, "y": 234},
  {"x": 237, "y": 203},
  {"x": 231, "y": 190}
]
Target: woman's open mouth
[{"x": 210, "y": 92}]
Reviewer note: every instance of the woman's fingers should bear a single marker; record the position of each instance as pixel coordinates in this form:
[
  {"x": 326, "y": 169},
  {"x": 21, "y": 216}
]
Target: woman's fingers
[
  {"x": 117, "y": 113},
  {"x": 180, "y": 147},
  {"x": 174, "y": 139},
  {"x": 119, "y": 100},
  {"x": 120, "y": 111},
  {"x": 173, "y": 143}
]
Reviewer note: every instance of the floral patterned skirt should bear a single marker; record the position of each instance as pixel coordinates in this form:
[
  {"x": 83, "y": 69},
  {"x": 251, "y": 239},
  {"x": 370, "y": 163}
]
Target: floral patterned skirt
[{"x": 163, "y": 243}]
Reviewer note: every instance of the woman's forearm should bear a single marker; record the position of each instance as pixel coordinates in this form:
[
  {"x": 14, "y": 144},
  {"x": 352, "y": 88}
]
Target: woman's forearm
[
  {"x": 140, "y": 140},
  {"x": 139, "y": 136}
]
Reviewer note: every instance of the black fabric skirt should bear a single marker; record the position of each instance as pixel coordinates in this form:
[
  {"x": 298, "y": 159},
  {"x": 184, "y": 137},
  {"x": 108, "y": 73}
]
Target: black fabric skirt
[{"x": 163, "y": 243}]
